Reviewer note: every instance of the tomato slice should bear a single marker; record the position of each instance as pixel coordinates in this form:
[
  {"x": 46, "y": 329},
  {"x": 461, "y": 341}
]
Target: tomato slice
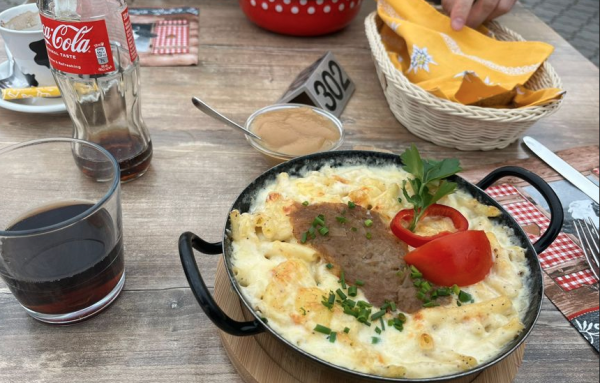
[
  {"x": 401, "y": 231},
  {"x": 463, "y": 259}
]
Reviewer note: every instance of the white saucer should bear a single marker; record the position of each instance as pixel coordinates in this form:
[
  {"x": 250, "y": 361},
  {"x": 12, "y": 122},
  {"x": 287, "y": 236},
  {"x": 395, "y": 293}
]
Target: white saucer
[{"x": 31, "y": 105}]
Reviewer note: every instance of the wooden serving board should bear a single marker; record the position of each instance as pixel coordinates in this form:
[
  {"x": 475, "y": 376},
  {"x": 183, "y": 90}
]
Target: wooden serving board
[{"x": 263, "y": 359}]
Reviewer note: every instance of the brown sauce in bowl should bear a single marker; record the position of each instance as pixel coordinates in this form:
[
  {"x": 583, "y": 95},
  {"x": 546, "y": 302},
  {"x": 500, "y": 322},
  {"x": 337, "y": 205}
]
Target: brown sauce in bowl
[{"x": 295, "y": 131}]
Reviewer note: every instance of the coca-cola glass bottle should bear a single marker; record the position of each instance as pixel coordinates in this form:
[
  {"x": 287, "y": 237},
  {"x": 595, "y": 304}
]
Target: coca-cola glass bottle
[{"x": 95, "y": 64}]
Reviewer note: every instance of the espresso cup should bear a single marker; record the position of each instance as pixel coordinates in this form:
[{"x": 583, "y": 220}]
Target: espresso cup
[{"x": 21, "y": 30}]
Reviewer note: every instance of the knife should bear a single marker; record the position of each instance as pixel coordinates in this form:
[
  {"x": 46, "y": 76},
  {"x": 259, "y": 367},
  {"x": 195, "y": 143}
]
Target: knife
[{"x": 564, "y": 169}]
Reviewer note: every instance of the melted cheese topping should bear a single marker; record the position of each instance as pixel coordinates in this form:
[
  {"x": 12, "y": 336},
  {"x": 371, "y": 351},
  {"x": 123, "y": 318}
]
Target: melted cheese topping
[{"x": 286, "y": 281}]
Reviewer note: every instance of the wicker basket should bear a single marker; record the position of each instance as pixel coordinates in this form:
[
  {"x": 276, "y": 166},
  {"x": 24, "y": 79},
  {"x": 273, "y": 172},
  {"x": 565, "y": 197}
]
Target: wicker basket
[{"x": 451, "y": 124}]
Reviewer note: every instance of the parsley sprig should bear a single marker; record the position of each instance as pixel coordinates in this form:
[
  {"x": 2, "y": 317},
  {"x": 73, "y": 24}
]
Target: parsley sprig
[{"x": 429, "y": 184}]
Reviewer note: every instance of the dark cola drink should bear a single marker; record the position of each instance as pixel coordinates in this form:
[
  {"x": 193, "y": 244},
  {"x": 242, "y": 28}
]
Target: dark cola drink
[
  {"x": 132, "y": 153},
  {"x": 65, "y": 270}
]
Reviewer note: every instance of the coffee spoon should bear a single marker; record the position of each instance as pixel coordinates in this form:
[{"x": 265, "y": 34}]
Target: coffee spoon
[
  {"x": 218, "y": 116},
  {"x": 15, "y": 79}
]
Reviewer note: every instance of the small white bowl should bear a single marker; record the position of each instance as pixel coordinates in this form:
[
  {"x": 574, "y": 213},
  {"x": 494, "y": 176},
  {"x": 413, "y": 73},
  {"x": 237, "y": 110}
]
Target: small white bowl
[{"x": 275, "y": 158}]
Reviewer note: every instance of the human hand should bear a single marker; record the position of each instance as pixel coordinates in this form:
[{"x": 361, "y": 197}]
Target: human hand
[{"x": 473, "y": 13}]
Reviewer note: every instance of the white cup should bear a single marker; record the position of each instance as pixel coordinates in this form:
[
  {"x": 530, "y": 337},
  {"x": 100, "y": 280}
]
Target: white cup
[{"x": 27, "y": 45}]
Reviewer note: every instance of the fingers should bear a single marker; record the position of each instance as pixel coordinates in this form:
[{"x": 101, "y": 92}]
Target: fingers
[
  {"x": 448, "y": 5},
  {"x": 460, "y": 13},
  {"x": 474, "y": 13},
  {"x": 502, "y": 9},
  {"x": 482, "y": 11}
]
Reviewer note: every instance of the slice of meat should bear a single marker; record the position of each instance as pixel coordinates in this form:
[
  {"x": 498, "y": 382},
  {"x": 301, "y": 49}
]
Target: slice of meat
[{"x": 378, "y": 261}]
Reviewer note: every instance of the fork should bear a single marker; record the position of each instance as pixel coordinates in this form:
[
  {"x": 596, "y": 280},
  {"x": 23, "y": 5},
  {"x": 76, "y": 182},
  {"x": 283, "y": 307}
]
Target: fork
[{"x": 589, "y": 237}]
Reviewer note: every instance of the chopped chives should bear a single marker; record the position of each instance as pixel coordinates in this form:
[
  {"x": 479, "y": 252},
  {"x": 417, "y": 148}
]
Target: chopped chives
[
  {"x": 323, "y": 329},
  {"x": 343, "y": 280},
  {"x": 378, "y": 330},
  {"x": 358, "y": 282},
  {"x": 349, "y": 311},
  {"x": 390, "y": 322},
  {"x": 421, "y": 296},
  {"x": 332, "y": 337},
  {"x": 369, "y": 236},
  {"x": 341, "y": 294},
  {"x": 354, "y": 229},
  {"x": 341, "y": 220},
  {"x": 331, "y": 298},
  {"x": 364, "y": 304},
  {"x": 369, "y": 223},
  {"x": 319, "y": 222},
  {"x": 347, "y": 330},
  {"x": 349, "y": 302},
  {"x": 398, "y": 324},
  {"x": 430, "y": 304},
  {"x": 265, "y": 320},
  {"x": 443, "y": 292},
  {"x": 304, "y": 237},
  {"x": 324, "y": 231},
  {"x": 353, "y": 291},
  {"x": 329, "y": 266},
  {"x": 311, "y": 232},
  {"x": 375, "y": 340},
  {"x": 399, "y": 200},
  {"x": 386, "y": 305},
  {"x": 402, "y": 318},
  {"x": 464, "y": 297},
  {"x": 393, "y": 306},
  {"x": 417, "y": 283},
  {"x": 351, "y": 205},
  {"x": 415, "y": 273},
  {"x": 305, "y": 203},
  {"x": 456, "y": 289},
  {"x": 382, "y": 323},
  {"x": 328, "y": 302},
  {"x": 378, "y": 315},
  {"x": 426, "y": 287}
]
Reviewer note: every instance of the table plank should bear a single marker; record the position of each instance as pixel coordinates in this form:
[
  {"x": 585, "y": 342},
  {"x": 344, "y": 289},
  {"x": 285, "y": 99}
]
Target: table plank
[{"x": 155, "y": 331}]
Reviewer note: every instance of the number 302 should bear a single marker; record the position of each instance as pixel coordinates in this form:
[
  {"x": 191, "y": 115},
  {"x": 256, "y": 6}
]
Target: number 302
[{"x": 333, "y": 85}]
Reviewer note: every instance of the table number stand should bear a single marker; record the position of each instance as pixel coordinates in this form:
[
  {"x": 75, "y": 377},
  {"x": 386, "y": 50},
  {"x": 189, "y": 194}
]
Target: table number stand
[{"x": 324, "y": 84}]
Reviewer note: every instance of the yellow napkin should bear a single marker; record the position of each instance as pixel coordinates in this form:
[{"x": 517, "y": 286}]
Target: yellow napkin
[
  {"x": 468, "y": 67},
  {"x": 16, "y": 94}
]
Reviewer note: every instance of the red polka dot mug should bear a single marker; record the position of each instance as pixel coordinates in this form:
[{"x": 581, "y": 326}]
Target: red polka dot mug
[{"x": 301, "y": 17}]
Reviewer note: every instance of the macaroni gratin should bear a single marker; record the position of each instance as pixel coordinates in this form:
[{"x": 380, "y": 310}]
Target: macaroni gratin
[{"x": 285, "y": 281}]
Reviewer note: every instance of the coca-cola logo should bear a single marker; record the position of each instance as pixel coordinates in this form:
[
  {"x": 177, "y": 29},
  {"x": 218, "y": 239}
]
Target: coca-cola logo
[{"x": 68, "y": 38}]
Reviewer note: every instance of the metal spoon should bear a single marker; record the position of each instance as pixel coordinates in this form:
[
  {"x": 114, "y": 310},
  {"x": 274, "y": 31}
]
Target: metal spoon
[
  {"x": 16, "y": 79},
  {"x": 218, "y": 116}
]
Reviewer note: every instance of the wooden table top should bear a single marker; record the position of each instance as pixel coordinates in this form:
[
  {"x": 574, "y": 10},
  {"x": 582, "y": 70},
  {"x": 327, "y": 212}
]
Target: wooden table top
[{"x": 156, "y": 331}]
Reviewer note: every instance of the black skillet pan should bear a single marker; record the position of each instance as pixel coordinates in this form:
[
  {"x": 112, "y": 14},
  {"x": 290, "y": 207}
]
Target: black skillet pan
[{"x": 189, "y": 241}]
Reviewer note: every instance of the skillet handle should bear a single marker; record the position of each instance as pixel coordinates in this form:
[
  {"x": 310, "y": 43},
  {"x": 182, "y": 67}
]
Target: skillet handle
[
  {"x": 556, "y": 208},
  {"x": 188, "y": 242}
]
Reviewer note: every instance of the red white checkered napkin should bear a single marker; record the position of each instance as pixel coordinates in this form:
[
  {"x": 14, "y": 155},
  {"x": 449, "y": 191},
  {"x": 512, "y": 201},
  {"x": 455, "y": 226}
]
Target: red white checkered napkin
[
  {"x": 503, "y": 190},
  {"x": 562, "y": 250},
  {"x": 172, "y": 37},
  {"x": 576, "y": 280}
]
